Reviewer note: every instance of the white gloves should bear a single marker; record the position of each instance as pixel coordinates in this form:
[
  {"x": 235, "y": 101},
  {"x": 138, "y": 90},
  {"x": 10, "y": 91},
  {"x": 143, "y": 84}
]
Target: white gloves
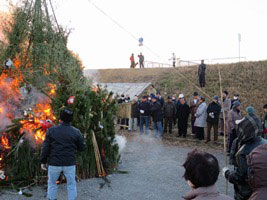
[
  {"x": 44, "y": 167},
  {"x": 224, "y": 170}
]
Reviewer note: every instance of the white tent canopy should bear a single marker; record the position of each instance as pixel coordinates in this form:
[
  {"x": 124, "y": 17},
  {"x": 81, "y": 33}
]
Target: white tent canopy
[{"x": 131, "y": 89}]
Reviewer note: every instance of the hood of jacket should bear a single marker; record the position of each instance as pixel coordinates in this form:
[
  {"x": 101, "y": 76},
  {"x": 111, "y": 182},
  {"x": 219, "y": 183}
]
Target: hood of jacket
[{"x": 257, "y": 163}]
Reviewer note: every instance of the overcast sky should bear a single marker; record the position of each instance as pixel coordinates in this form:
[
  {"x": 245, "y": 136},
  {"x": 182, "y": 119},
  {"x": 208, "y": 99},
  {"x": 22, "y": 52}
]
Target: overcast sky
[{"x": 193, "y": 29}]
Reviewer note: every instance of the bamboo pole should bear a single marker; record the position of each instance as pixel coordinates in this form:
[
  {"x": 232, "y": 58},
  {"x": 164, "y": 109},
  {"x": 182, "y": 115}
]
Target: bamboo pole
[
  {"x": 100, "y": 169},
  {"x": 224, "y": 129}
]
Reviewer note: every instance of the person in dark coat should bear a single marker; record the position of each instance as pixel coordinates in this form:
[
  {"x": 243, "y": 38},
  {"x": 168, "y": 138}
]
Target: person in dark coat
[
  {"x": 169, "y": 111},
  {"x": 141, "y": 60},
  {"x": 145, "y": 111},
  {"x": 157, "y": 116},
  {"x": 233, "y": 115},
  {"x": 193, "y": 108},
  {"x": 264, "y": 122},
  {"x": 160, "y": 99},
  {"x": 249, "y": 132},
  {"x": 236, "y": 98},
  {"x": 122, "y": 121},
  {"x": 202, "y": 73},
  {"x": 134, "y": 114},
  {"x": 182, "y": 114},
  {"x": 213, "y": 113},
  {"x": 59, "y": 151},
  {"x": 257, "y": 172}
]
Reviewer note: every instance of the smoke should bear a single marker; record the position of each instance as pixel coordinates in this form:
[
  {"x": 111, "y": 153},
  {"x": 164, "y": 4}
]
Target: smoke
[{"x": 120, "y": 141}]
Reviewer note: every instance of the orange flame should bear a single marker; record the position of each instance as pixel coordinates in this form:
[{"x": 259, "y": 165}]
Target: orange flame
[
  {"x": 52, "y": 89},
  {"x": 5, "y": 142}
]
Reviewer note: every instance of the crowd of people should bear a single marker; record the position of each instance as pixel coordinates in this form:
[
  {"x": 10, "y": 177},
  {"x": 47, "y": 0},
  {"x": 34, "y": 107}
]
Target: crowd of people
[{"x": 246, "y": 140}]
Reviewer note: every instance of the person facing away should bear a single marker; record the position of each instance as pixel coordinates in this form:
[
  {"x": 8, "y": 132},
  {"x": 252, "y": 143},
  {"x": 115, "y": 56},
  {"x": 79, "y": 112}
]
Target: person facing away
[
  {"x": 201, "y": 116},
  {"x": 201, "y": 173},
  {"x": 257, "y": 172},
  {"x": 182, "y": 114},
  {"x": 213, "y": 112},
  {"x": 249, "y": 132},
  {"x": 145, "y": 111},
  {"x": 202, "y": 74},
  {"x": 134, "y": 114},
  {"x": 59, "y": 151},
  {"x": 193, "y": 108},
  {"x": 169, "y": 111},
  {"x": 141, "y": 60},
  {"x": 157, "y": 116}
]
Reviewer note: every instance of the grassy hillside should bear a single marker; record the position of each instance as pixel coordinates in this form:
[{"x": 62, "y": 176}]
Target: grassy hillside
[{"x": 249, "y": 79}]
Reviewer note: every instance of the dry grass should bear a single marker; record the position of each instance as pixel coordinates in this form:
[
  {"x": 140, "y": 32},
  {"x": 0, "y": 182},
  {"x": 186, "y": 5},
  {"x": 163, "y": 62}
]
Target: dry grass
[{"x": 249, "y": 79}]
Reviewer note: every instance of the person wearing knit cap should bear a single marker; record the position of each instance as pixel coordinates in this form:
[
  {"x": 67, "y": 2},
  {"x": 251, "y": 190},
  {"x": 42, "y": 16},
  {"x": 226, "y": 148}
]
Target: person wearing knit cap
[
  {"x": 213, "y": 111},
  {"x": 59, "y": 151},
  {"x": 233, "y": 115}
]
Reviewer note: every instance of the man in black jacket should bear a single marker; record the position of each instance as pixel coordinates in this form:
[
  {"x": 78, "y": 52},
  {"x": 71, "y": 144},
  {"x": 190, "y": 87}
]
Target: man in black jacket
[
  {"x": 145, "y": 110},
  {"x": 59, "y": 151},
  {"x": 213, "y": 113},
  {"x": 157, "y": 116},
  {"x": 201, "y": 74},
  {"x": 160, "y": 99},
  {"x": 169, "y": 111},
  {"x": 249, "y": 132},
  {"x": 182, "y": 114}
]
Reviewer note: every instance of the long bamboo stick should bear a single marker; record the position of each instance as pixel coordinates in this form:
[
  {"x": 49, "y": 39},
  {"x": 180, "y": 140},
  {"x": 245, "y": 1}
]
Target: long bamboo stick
[
  {"x": 99, "y": 164},
  {"x": 224, "y": 128}
]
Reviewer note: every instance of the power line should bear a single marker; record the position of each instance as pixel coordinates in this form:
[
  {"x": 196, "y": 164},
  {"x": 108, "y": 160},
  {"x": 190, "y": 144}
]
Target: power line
[{"x": 121, "y": 27}]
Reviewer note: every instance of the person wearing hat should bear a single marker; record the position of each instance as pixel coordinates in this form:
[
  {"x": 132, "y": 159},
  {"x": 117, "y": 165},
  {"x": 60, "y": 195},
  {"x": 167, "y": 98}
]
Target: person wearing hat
[
  {"x": 235, "y": 98},
  {"x": 169, "y": 111},
  {"x": 233, "y": 115},
  {"x": 213, "y": 112},
  {"x": 249, "y": 131},
  {"x": 225, "y": 109},
  {"x": 193, "y": 108},
  {"x": 145, "y": 110},
  {"x": 59, "y": 151},
  {"x": 182, "y": 114},
  {"x": 157, "y": 116},
  {"x": 201, "y": 116}
]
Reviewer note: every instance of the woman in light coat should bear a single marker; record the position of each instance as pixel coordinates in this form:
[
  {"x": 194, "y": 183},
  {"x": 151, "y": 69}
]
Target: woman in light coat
[{"x": 201, "y": 116}]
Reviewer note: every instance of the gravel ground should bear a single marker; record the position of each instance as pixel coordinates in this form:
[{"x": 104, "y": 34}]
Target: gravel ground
[{"x": 154, "y": 172}]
